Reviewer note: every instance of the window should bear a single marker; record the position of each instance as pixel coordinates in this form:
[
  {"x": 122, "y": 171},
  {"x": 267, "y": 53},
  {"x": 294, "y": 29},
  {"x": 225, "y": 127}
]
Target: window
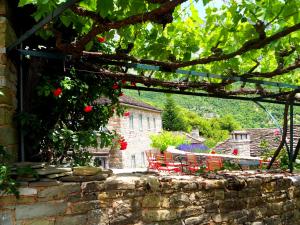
[
  {"x": 140, "y": 122},
  {"x": 154, "y": 123},
  {"x": 131, "y": 122},
  {"x": 100, "y": 161},
  {"x": 148, "y": 123},
  {"x": 133, "y": 162},
  {"x": 143, "y": 159}
]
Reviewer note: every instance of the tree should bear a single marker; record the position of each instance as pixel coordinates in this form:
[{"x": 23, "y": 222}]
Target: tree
[
  {"x": 253, "y": 39},
  {"x": 171, "y": 118}
]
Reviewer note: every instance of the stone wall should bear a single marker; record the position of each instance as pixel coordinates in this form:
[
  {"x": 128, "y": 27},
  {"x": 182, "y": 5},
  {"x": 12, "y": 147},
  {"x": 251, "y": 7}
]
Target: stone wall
[
  {"x": 8, "y": 82},
  {"x": 226, "y": 199}
]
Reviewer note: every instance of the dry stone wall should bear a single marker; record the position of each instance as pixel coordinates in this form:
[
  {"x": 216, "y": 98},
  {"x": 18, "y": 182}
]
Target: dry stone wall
[{"x": 138, "y": 199}]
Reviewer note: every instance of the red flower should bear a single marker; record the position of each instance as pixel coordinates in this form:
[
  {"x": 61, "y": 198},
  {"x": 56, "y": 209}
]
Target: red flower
[
  {"x": 57, "y": 92},
  {"x": 123, "y": 81},
  {"x": 115, "y": 86},
  {"x": 235, "y": 151},
  {"x": 213, "y": 151},
  {"x": 276, "y": 132},
  {"x": 132, "y": 83},
  {"x": 123, "y": 143},
  {"x": 126, "y": 114},
  {"x": 101, "y": 39},
  {"x": 121, "y": 94},
  {"x": 88, "y": 108}
]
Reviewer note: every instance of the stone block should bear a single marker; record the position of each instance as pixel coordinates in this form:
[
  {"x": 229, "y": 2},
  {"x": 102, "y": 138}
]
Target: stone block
[
  {"x": 52, "y": 170},
  {"x": 213, "y": 184},
  {"x": 46, "y": 183},
  {"x": 275, "y": 208},
  {"x": 97, "y": 217},
  {"x": 6, "y": 115},
  {"x": 151, "y": 215},
  {"x": 152, "y": 182},
  {"x": 269, "y": 187},
  {"x": 151, "y": 201},
  {"x": 120, "y": 185},
  {"x": 8, "y": 135},
  {"x": 39, "y": 221},
  {"x": 232, "y": 205},
  {"x": 254, "y": 182},
  {"x": 82, "y": 207},
  {"x": 93, "y": 186},
  {"x": 196, "y": 220},
  {"x": 219, "y": 194},
  {"x": 71, "y": 220},
  {"x": 40, "y": 210},
  {"x": 179, "y": 200},
  {"x": 7, "y": 34},
  {"x": 6, "y": 200},
  {"x": 189, "y": 211},
  {"x": 27, "y": 191},
  {"x": 218, "y": 218},
  {"x": 60, "y": 191},
  {"x": 98, "y": 177},
  {"x": 6, "y": 218}
]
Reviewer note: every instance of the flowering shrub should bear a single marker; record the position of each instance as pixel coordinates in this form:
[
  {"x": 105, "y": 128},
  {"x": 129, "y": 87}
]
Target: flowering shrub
[
  {"x": 193, "y": 147},
  {"x": 126, "y": 114},
  {"x": 88, "y": 108},
  {"x": 57, "y": 92},
  {"x": 101, "y": 39},
  {"x": 61, "y": 129},
  {"x": 165, "y": 139},
  {"x": 235, "y": 151}
]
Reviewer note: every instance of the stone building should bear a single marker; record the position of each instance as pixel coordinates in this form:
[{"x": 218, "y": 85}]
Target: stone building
[
  {"x": 142, "y": 121},
  {"x": 254, "y": 141},
  {"x": 8, "y": 82}
]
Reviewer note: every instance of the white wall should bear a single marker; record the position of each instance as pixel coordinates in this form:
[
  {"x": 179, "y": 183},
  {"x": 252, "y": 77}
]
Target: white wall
[{"x": 138, "y": 139}]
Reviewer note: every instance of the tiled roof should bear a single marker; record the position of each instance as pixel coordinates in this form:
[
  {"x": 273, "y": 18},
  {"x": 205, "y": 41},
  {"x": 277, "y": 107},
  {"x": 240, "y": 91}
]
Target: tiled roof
[
  {"x": 126, "y": 100},
  {"x": 257, "y": 135},
  {"x": 133, "y": 102}
]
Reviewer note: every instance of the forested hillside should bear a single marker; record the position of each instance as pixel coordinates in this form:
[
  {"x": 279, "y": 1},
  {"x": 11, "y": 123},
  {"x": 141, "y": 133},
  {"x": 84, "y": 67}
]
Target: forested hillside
[{"x": 248, "y": 114}]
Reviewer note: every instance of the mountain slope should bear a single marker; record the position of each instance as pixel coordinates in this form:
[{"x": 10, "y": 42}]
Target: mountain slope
[{"x": 247, "y": 113}]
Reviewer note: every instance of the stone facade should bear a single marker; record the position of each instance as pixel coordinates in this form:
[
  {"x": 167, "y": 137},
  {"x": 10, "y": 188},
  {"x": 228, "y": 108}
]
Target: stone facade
[
  {"x": 8, "y": 83},
  {"x": 231, "y": 199},
  {"x": 136, "y": 129},
  {"x": 142, "y": 121}
]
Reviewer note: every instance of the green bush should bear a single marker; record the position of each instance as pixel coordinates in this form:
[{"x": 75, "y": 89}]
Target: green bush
[
  {"x": 165, "y": 139},
  {"x": 8, "y": 184}
]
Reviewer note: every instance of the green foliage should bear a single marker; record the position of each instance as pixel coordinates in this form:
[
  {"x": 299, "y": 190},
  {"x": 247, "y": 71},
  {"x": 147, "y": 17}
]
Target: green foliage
[
  {"x": 8, "y": 184},
  {"x": 268, "y": 153},
  {"x": 229, "y": 165},
  {"x": 163, "y": 140},
  {"x": 81, "y": 158},
  {"x": 57, "y": 128},
  {"x": 172, "y": 120},
  {"x": 247, "y": 114},
  {"x": 221, "y": 27}
]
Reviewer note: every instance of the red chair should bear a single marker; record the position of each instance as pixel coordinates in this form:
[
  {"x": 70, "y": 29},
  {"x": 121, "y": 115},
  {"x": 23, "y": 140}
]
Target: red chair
[
  {"x": 163, "y": 165},
  {"x": 214, "y": 163},
  {"x": 192, "y": 163},
  {"x": 151, "y": 158},
  {"x": 169, "y": 159}
]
